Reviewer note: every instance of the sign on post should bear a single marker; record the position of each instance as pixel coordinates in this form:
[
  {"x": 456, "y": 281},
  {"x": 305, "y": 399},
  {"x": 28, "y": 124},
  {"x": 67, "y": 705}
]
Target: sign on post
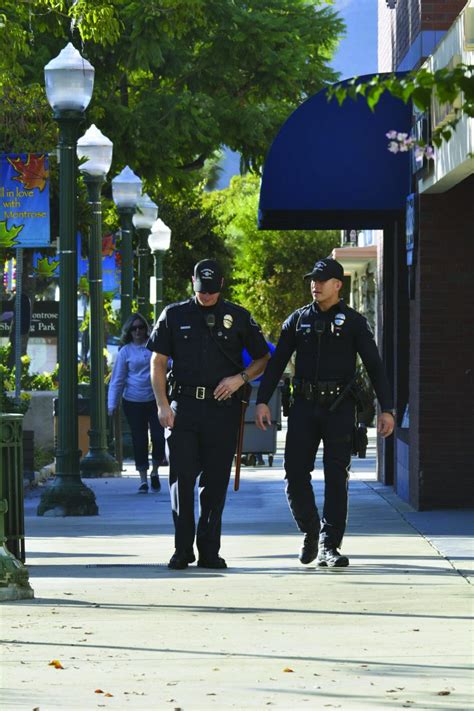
[{"x": 24, "y": 200}]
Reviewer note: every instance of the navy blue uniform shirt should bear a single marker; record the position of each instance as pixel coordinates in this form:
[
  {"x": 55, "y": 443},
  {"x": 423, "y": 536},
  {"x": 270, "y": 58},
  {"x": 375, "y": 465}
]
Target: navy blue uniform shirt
[
  {"x": 346, "y": 334},
  {"x": 202, "y": 355}
]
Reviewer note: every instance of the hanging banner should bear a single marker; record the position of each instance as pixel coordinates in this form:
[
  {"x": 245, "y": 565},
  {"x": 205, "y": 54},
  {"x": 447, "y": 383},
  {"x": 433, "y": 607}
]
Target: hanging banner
[
  {"x": 47, "y": 267},
  {"x": 111, "y": 265},
  {"x": 24, "y": 200}
]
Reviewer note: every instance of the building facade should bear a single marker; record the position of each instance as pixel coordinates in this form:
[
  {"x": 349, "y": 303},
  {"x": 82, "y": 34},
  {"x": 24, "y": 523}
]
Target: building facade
[
  {"x": 424, "y": 310},
  {"x": 410, "y": 30},
  {"x": 427, "y": 274}
]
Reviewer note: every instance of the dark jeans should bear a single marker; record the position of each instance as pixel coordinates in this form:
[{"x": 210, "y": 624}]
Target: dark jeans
[
  {"x": 308, "y": 424},
  {"x": 141, "y": 417},
  {"x": 202, "y": 443}
]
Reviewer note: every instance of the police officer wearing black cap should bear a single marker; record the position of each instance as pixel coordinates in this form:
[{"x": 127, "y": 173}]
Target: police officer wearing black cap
[
  {"x": 327, "y": 335},
  {"x": 204, "y": 336}
]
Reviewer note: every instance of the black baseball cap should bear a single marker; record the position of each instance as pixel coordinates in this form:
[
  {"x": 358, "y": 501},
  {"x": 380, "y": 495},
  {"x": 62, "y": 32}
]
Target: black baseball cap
[
  {"x": 326, "y": 269},
  {"x": 207, "y": 276}
]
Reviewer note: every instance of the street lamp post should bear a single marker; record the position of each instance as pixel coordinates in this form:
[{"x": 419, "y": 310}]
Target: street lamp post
[
  {"x": 97, "y": 148},
  {"x": 143, "y": 219},
  {"x": 126, "y": 189},
  {"x": 69, "y": 83},
  {"x": 158, "y": 241}
]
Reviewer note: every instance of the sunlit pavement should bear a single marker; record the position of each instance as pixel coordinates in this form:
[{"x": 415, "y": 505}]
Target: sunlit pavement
[{"x": 391, "y": 631}]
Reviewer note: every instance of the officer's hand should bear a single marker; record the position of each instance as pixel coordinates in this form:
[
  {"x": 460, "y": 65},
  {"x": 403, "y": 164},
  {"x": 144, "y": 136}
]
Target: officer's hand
[
  {"x": 166, "y": 416},
  {"x": 227, "y": 387},
  {"x": 262, "y": 416},
  {"x": 385, "y": 424}
]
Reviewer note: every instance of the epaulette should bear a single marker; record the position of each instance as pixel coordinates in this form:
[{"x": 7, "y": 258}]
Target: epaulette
[
  {"x": 225, "y": 303},
  {"x": 175, "y": 304}
]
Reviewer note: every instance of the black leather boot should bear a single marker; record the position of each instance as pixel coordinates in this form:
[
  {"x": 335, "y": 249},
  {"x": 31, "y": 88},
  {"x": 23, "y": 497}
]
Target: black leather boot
[
  {"x": 329, "y": 556},
  {"x": 309, "y": 550}
]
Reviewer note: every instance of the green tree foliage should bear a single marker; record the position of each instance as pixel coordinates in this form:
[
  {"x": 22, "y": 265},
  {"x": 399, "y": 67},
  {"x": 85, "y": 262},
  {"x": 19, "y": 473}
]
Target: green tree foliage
[
  {"x": 194, "y": 236},
  {"x": 268, "y": 276},
  {"x": 447, "y": 85},
  {"x": 176, "y": 79}
]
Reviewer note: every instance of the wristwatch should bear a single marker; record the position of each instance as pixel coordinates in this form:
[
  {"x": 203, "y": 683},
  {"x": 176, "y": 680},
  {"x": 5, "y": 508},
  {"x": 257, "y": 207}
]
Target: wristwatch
[{"x": 244, "y": 376}]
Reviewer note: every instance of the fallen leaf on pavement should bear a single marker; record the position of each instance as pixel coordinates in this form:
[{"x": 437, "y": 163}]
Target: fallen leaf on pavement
[
  {"x": 287, "y": 669},
  {"x": 444, "y": 693},
  {"x": 98, "y": 691},
  {"x": 56, "y": 664}
]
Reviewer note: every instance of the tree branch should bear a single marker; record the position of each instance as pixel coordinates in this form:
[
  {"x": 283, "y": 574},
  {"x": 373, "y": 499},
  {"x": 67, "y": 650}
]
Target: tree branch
[{"x": 195, "y": 165}]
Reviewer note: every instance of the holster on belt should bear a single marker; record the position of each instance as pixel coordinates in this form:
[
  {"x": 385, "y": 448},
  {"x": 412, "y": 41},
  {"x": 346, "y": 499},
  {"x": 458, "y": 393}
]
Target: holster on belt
[
  {"x": 322, "y": 392},
  {"x": 286, "y": 396}
]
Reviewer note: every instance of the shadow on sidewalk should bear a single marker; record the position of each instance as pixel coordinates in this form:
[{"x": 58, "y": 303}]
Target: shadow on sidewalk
[
  {"x": 147, "y": 571},
  {"x": 391, "y": 668}
]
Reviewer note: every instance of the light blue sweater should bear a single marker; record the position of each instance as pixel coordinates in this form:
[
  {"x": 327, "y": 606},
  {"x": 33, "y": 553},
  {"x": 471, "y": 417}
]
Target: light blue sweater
[{"x": 131, "y": 376}]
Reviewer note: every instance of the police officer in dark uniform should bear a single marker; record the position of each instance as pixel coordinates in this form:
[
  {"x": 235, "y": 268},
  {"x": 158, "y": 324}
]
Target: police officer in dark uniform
[
  {"x": 327, "y": 335},
  {"x": 204, "y": 336}
]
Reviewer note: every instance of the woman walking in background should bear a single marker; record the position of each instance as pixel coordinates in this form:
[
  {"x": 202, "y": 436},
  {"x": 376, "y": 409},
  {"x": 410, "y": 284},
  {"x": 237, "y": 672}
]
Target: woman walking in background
[{"x": 131, "y": 381}]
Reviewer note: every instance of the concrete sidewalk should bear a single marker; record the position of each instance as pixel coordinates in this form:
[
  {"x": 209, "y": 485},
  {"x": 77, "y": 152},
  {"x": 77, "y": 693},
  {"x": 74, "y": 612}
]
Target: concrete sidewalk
[{"x": 391, "y": 631}]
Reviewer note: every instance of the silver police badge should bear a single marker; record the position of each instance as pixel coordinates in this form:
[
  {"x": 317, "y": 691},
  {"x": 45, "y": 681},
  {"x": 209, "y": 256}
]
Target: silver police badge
[
  {"x": 336, "y": 326},
  {"x": 227, "y": 321}
]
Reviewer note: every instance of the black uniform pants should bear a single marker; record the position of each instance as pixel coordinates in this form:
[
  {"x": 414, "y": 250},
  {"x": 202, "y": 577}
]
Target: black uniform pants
[
  {"x": 202, "y": 443},
  {"x": 308, "y": 424}
]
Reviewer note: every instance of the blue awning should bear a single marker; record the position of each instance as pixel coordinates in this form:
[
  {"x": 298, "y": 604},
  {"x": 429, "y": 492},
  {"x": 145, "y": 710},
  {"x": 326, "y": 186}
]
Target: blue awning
[{"x": 329, "y": 167}]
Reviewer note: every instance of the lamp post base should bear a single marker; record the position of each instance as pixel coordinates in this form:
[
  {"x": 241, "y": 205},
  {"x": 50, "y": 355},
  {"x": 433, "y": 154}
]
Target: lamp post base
[
  {"x": 14, "y": 583},
  {"x": 99, "y": 464},
  {"x": 68, "y": 496}
]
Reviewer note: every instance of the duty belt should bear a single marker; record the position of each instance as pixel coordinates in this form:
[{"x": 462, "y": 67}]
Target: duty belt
[
  {"x": 200, "y": 392},
  {"x": 323, "y": 392}
]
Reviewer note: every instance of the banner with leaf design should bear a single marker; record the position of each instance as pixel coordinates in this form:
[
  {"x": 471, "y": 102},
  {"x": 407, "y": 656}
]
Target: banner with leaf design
[{"x": 24, "y": 200}]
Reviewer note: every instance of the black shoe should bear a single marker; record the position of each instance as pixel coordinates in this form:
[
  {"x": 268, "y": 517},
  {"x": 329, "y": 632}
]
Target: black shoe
[
  {"x": 330, "y": 556},
  {"x": 143, "y": 488},
  {"x": 309, "y": 550},
  {"x": 215, "y": 562},
  {"x": 180, "y": 561},
  {"x": 155, "y": 482}
]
